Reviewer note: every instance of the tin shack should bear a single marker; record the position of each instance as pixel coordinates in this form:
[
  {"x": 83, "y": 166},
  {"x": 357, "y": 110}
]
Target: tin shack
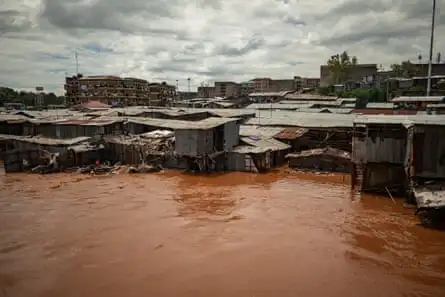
[
  {"x": 378, "y": 153},
  {"x": 203, "y": 144},
  {"x": 426, "y": 167}
]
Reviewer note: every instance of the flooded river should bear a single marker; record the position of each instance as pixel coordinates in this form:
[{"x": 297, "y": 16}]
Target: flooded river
[{"x": 174, "y": 235}]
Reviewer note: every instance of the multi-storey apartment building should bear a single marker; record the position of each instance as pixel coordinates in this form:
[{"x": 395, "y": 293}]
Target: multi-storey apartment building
[
  {"x": 226, "y": 89},
  {"x": 107, "y": 89},
  {"x": 206, "y": 92},
  {"x": 306, "y": 82},
  {"x": 261, "y": 84},
  {"x": 161, "y": 93},
  {"x": 115, "y": 90},
  {"x": 246, "y": 88},
  {"x": 266, "y": 84}
]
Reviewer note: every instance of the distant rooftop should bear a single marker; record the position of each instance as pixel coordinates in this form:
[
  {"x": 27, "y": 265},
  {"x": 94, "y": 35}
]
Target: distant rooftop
[{"x": 418, "y": 99}]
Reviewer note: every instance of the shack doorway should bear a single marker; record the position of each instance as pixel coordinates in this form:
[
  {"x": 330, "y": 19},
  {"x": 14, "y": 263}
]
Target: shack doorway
[{"x": 384, "y": 177}]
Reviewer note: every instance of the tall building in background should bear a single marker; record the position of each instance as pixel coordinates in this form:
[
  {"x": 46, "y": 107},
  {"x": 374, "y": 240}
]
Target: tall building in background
[
  {"x": 206, "y": 92},
  {"x": 161, "y": 93},
  {"x": 306, "y": 82},
  {"x": 114, "y": 90},
  {"x": 246, "y": 88},
  {"x": 261, "y": 84},
  {"x": 226, "y": 89}
]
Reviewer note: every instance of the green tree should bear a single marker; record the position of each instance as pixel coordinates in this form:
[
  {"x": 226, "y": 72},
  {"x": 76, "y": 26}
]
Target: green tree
[
  {"x": 8, "y": 95},
  {"x": 370, "y": 95},
  {"x": 340, "y": 66},
  {"x": 404, "y": 69}
]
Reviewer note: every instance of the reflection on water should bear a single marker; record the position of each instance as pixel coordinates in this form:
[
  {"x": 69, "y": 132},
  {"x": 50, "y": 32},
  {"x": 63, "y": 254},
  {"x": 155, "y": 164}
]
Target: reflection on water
[{"x": 171, "y": 234}]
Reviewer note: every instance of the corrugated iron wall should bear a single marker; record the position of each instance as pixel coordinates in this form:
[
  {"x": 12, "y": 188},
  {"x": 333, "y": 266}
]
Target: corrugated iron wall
[
  {"x": 231, "y": 135},
  {"x": 429, "y": 151},
  {"x": 380, "y": 145}
]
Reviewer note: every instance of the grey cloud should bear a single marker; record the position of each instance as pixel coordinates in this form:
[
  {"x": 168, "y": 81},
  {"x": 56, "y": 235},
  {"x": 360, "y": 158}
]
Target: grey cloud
[
  {"x": 376, "y": 36},
  {"x": 294, "y": 21},
  {"x": 115, "y": 15},
  {"x": 253, "y": 44},
  {"x": 413, "y": 21},
  {"x": 13, "y": 21}
]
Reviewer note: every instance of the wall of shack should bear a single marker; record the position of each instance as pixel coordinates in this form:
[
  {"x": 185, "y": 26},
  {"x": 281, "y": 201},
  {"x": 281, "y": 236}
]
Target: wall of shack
[
  {"x": 380, "y": 144},
  {"x": 428, "y": 146},
  {"x": 231, "y": 135},
  {"x": 193, "y": 143}
]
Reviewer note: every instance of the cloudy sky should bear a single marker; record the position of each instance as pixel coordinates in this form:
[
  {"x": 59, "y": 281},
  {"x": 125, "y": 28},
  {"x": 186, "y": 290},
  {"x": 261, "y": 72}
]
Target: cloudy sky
[{"x": 205, "y": 40}]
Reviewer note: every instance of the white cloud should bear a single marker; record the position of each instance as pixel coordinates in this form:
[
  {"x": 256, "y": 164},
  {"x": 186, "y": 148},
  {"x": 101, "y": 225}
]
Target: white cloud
[{"x": 205, "y": 40}]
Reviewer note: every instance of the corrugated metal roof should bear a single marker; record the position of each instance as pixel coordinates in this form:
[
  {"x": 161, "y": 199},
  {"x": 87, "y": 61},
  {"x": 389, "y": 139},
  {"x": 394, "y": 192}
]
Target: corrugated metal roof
[
  {"x": 346, "y": 100},
  {"x": 265, "y": 143},
  {"x": 12, "y": 118},
  {"x": 419, "y": 99},
  {"x": 341, "y": 110},
  {"x": 308, "y": 103},
  {"x": 208, "y": 123},
  {"x": 321, "y": 151},
  {"x": 52, "y": 113},
  {"x": 383, "y": 105},
  {"x": 440, "y": 105},
  {"x": 313, "y": 110},
  {"x": 269, "y": 94},
  {"x": 45, "y": 140},
  {"x": 430, "y": 196},
  {"x": 290, "y": 133},
  {"x": 230, "y": 113},
  {"x": 303, "y": 120},
  {"x": 296, "y": 96},
  {"x": 349, "y": 105},
  {"x": 273, "y": 106},
  {"x": 406, "y": 120},
  {"x": 249, "y": 130}
]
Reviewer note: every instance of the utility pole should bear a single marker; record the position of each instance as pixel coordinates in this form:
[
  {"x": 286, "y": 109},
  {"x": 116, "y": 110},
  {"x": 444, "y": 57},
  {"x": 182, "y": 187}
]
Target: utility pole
[
  {"x": 430, "y": 66},
  {"x": 77, "y": 63},
  {"x": 177, "y": 91}
]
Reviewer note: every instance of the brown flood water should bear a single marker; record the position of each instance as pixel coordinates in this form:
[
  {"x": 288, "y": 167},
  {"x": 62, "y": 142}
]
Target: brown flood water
[{"x": 173, "y": 235}]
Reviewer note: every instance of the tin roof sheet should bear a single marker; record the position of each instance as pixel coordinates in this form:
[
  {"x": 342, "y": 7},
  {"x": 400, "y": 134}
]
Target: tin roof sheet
[
  {"x": 405, "y": 120},
  {"x": 383, "y": 105},
  {"x": 45, "y": 140},
  {"x": 265, "y": 142},
  {"x": 290, "y": 133},
  {"x": 303, "y": 120},
  {"x": 328, "y": 151},
  {"x": 250, "y": 130},
  {"x": 419, "y": 99},
  {"x": 296, "y": 96},
  {"x": 208, "y": 123}
]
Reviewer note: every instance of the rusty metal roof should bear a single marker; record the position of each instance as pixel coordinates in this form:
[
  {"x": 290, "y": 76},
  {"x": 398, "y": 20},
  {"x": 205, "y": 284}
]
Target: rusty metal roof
[
  {"x": 291, "y": 133},
  {"x": 327, "y": 151}
]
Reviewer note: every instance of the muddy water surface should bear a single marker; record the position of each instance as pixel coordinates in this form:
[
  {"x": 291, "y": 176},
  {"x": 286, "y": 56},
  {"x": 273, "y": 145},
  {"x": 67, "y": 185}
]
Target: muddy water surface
[{"x": 171, "y": 234}]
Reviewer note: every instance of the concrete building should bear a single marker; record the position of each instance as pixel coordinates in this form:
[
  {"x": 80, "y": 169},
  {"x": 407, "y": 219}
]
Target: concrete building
[
  {"x": 161, "y": 93},
  {"x": 206, "y": 92},
  {"x": 106, "y": 89},
  {"x": 356, "y": 73},
  {"x": 226, "y": 89},
  {"x": 246, "y": 88},
  {"x": 261, "y": 84},
  {"x": 280, "y": 85},
  {"x": 306, "y": 82}
]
